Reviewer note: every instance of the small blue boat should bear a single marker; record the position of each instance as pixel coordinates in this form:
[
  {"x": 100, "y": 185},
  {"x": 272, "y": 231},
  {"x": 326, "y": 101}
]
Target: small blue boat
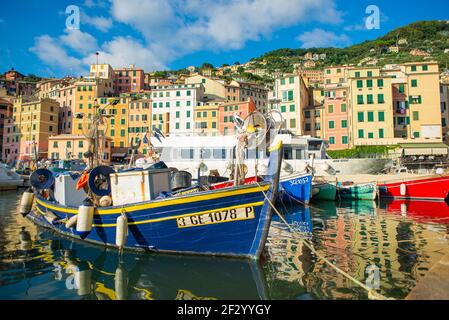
[
  {"x": 227, "y": 222},
  {"x": 296, "y": 187}
]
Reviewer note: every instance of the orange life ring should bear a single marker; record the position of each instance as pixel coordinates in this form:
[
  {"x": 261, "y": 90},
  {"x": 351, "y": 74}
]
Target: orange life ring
[{"x": 82, "y": 182}]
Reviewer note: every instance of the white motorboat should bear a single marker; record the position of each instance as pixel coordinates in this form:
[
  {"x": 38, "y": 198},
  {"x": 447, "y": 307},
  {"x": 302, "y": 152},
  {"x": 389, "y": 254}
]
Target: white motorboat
[
  {"x": 9, "y": 180},
  {"x": 191, "y": 153}
]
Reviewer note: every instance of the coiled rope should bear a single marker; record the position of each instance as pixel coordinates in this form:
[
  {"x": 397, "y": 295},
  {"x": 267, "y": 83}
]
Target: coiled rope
[{"x": 372, "y": 295}]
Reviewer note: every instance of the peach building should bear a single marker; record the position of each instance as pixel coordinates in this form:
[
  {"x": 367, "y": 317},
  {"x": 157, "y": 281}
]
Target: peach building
[
  {"x": 70, "y": 147},
  {"x": 335, "y": 116},
  {"x": 227, "y": 111},
  {"x": 130, "y": 79}
]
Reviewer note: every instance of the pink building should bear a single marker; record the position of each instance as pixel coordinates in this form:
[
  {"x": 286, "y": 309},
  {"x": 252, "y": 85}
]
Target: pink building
[
  {"x": 130, "y": 79},
  {"x": 5, "y": 113},
  {"x": 11, "y": 142},
  {"x": 227, "y": 111},
  {"x": 336, "y": 126}
]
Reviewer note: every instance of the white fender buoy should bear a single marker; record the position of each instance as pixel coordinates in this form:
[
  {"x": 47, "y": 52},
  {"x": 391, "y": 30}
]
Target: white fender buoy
[
  {"x": 121, "y": 232},
  {"x": 71, "y": 222},
  {"x": 403, "y": 189},
  {"x": 83, "y": 281},
  {"x": 26, "y": 202},
  {"x": 85, "y": 218},
  {"x": 403, "y": 209},
  {"x": 105, "y": 201},
  {"x": 121, "y": 283}
]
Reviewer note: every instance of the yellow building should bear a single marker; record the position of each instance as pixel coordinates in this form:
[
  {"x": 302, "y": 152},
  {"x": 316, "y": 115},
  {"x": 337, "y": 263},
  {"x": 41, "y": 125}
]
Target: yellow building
[
  {"x": 206, "y": 120},
  {"x": 371, "y": 107},
  {"x": 117, "y": 124},
  {"x": 33, "y": 123},
  {"x": 69, "y": 147}
]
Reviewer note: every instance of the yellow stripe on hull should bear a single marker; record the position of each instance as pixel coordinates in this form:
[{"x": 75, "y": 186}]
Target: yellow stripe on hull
[{"x": 162, "y": 203}]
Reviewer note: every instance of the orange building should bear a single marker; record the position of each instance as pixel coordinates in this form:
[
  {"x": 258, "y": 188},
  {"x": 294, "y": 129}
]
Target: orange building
[
  {"x": 227, "y": 111},
  {"x": 130, "y": 79}
]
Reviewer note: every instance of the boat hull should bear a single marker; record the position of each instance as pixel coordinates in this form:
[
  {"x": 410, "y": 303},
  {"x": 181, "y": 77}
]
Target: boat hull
[
  {"x": 296, "y": 187},
  {"x": 179, "y": 225},
  {"x": 358, "y": 192},
  {"x": 436, "y": 189},
  {"x": 324, "y": 191}
]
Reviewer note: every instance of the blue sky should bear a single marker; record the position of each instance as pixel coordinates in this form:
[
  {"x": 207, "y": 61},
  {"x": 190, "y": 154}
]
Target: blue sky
[{"x": 172, "y": 34}]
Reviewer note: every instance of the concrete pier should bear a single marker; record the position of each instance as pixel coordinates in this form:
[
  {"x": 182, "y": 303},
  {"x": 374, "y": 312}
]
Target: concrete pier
[{"x": 435, "y": 285}]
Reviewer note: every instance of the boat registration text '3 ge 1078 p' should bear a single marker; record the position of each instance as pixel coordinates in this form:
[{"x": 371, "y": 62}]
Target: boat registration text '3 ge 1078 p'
[{"x": 225, "y": 215}]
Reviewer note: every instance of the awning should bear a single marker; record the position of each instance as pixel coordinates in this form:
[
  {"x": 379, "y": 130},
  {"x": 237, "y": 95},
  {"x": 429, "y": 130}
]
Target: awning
[{"x": 423, "y": 149}]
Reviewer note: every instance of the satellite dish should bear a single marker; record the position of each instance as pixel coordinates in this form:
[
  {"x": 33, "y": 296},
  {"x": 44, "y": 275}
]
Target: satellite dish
[{"x": 255, "y": 126}]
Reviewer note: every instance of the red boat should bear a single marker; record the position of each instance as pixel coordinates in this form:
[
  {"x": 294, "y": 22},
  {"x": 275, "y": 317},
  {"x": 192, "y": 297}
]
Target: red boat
[
  {"x": 227, "y": 184},
  {"x": 434, "y": 188},
  {"x": 420, "y": 210}
]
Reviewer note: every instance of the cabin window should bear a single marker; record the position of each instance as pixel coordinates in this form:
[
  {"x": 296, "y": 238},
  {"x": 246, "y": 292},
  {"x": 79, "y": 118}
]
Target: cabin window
[
  {"x": 205, "y": 154},
  {"x": 288, "y": 153},
  {"x": 186, "y": 153},
  {"x": 219, "y": 153}
]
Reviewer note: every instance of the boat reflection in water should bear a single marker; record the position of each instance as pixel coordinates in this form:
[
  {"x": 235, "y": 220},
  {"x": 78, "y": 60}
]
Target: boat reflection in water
[
  {"x": 89, "y": 272},
  {"x": 423, "y": 211}
]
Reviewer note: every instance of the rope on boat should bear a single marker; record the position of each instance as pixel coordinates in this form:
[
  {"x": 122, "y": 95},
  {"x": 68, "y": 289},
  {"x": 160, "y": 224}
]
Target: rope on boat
[{"x": 372, "y": 295}]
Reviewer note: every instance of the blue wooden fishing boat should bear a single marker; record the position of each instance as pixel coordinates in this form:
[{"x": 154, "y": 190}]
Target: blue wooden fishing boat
[
  {"x": 296, "y": 187},
  {"x": 228, "y": 222}
]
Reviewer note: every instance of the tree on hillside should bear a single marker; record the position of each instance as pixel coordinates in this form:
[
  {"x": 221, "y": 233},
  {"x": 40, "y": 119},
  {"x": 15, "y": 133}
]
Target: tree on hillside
[{"x": 206, "y": 65}]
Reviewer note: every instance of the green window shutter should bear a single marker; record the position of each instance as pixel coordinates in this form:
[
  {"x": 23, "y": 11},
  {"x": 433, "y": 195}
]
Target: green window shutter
[
  {"x": 177, "y": 114},
  {"x": 360, "y": 99},
  {"x": 413, "y": 68},
  {"x": 292, "y": 107},
  {"x": 369, "y": 83},
  {"x": 357, "y": 74},
  {"x": 401, "y": 88},
  {"x": 282, "y": 81},
  {"x": 407, "y": 120},
  {"x": 188, "y": 125},
  {"x": 283, "y": 109},
  {"x": 332, "y": 140},
  {"x": 370, "y": 116},
  {"x": 370, "y": 73},
  {"x": 425, "y": 68},
  {"x": 112, "y": 132},
  {"x": 225, "y": 119},
  {"x": 188, "y": 114},
  {"x": 331, "y": 124},
  {"x": 414, "y": 83},
  {"x": 343, "y": 107},
  {"x": 292, "y": 123},
  {"x": 360, "y": 117},
  {"x": 370, "y": 99},
  {"x": 381, "y": 133},
  {"x": 416, "y": 134},
  {"x": 415, "y": 115},
  {"x": 177, "y": 125},
  {"x": 380, "y": 83},
  {"x": 359, "y": 83},
  {"x": 291, "y": 80},
  {"x": 344, "y": 124},
  {"x": 381, "y": 116},
  {"x": 361, "y": 134},
  {"x": 214, "y": 125},
  {"x": 330, "y": 109},
  {"x": 290, "y": 95},
  {"x": 344, "y": 140},
  {"x": 380, "y": 98},
  {"x": 419, "y": 99},
  {"x": 370, "y": 135}
]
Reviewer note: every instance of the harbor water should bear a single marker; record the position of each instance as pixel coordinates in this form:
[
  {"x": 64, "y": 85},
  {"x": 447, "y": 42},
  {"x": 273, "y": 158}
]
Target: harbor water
[{"x": 389, "y": 246}]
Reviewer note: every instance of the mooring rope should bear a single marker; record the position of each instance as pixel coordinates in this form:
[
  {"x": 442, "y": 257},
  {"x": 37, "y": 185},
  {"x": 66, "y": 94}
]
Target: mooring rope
[{"x": 372, "y": 295}]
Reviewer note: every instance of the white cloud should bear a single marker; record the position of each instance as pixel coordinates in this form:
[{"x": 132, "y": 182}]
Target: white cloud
[
  {"x": 319, "y": 38},
  {"x": 101, "y": 23},
  {"x": 121, "y": 52},
  {"x": 81, "y": 42},
  {"x": 53, "y": 54}
]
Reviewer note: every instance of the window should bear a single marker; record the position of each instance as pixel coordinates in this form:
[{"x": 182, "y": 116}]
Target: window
[
  {"x": 177, "y": 126},
  {"x": 413, "y": 68},
  {"x": 415, "y": 115},
  {"x": 344, "y": 124},
  {"x": 370, "y": 135},
  {"x": 331, "y": 124},
  {"x": 332, "y": 140},
  {"x": 214, "y": 125},
  {"x": 381, "y": 133},
  {"x": 370, "y": 73},
  {"x": 361, "y": 134},
  {"x": 360, "y": 117},
  {"x": 401, "y": 88},
  {"x": 178, "y": 103},
  {"x": 370, "y": 99},
  {"x": 293, "y": 123},
  {"x": 359, "y": 83},
  {"x": 380, "y": 83},
  {"x": 425, "y": 68},
  {"x": 189, "y": 93},
  {"x": 283, "y": 108},
  {"x": 414, "y": 83},
  {"x": 292, "y": 108},
  {"x": 178, "y": 93},
  {"x": 369, "y": 83},
  {"x": 416, "y": 134},
  {"x": 307, "y": 114},
  {"x": 370, "y": 116},
  {"x": 177, "y": 114},
  {"x": 291, "y": 80},
  {"x": 80, "y": 143},
  {"x": 381, "y": 116},
  {"x": 360, "y": 99},
  {"x": 380, "y": 98},
  {"x": 188, "y": 125},
  {"x": 343, "y": 107},
  {"x": 330, "y": 109},
  {"x": 290, "y": 95},
  {"x": 344, "y": 139},
  {"x": 122, "y": 133},
  {"x": 55, "y": 144},
  {"x": 357, "y": 74},
  {"x": 282, "y": 81},
  {"x": 188, "y": 114}
]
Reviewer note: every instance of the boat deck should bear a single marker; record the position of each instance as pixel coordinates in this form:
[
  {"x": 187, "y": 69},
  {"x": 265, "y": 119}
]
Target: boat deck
[{"x": 366, "y": 178}]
